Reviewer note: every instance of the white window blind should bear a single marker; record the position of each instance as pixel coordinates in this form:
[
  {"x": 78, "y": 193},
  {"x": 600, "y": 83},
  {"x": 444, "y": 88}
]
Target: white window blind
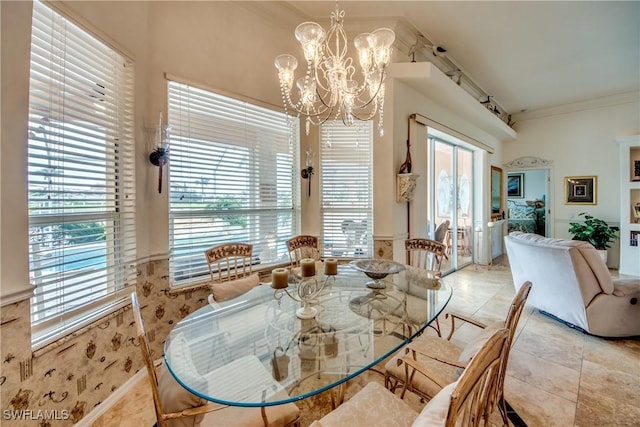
[
  {"x": 347, "y": 189},
  {"x": 232, "y": 179},
  {"x": 81, "y": 176}
]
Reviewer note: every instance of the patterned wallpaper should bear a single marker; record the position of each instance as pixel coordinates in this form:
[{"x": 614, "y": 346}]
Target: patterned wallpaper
[{"x": 61, "y": 383}]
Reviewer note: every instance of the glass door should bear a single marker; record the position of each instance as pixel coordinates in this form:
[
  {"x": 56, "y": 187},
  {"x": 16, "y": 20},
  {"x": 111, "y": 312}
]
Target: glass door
[
  {"x": 450, "y": 191},
  {"x": 464, "y": 211}
]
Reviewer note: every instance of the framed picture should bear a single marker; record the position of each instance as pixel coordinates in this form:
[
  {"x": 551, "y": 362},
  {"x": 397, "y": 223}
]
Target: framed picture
[
  {"x": 580, "y": 190},
  {"x": 515, "y": 185}
]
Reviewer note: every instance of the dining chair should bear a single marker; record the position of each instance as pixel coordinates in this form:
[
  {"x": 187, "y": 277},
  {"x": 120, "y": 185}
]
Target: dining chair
[
  {"x": 441, "y": 231},
  {"x": 175, "y": 406},
  {"x": 301, "y": 247},
  {"x": 461, "y": 403},
  {"x": 442, "y": 361},
  {"x": 231, "y": 270},
  {"x": 426, "y": 254}
]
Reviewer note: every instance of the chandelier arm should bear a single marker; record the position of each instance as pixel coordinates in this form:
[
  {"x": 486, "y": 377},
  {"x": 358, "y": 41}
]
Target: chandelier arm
[
  {"x": 297, "y": 107},
  {"x": 367, "y": 117}
]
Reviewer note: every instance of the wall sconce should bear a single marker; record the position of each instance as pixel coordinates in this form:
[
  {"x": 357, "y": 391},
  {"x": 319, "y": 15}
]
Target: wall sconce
[
  {"x": 160, "y": 155},
  {"x": 308, "y": 170}
]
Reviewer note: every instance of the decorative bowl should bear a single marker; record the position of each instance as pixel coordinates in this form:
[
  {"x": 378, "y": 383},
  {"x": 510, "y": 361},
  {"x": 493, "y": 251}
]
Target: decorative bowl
[{"x": 376, "y": 269}]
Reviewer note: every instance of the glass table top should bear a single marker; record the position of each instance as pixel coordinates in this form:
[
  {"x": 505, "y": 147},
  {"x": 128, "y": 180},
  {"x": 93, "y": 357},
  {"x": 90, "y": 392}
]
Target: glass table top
[{"x": 254, "y": 350}]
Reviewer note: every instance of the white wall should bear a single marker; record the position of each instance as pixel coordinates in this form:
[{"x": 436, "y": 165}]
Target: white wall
[
  {"x": 534, "y": 185},
  {"x": 580, "y": 142},
  {"x": 390, "y": 217},
  {"x": 16, "y": 40}
]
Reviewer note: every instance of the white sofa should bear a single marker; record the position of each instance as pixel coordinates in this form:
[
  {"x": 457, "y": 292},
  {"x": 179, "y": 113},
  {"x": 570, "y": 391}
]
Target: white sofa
[{"x": 572, "y": 283}]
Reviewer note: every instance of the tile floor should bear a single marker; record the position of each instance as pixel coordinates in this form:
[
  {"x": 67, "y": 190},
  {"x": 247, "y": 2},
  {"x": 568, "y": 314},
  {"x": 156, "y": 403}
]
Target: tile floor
[{"x": 557, "y": 376}]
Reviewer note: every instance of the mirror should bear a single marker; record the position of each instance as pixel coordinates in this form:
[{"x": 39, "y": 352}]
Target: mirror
[{"x": 496, "y": 193}]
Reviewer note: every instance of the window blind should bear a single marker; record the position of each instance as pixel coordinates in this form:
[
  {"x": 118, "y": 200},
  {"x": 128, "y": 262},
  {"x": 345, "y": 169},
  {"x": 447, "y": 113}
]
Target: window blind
[
  {"x": 81, "y": 177},
  {"x": 347, "y": 188},
  {"x": 232, "y": 179}
]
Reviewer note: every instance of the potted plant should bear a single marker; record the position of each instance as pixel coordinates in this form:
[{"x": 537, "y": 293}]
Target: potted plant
[{"x": 595, "y": 231}]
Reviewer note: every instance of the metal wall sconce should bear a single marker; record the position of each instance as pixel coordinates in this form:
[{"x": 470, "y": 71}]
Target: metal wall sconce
[
  {"x": 160, "y": 155},
  {"x": 308, "y": 170},
  {"x": 306, "y": 174}
]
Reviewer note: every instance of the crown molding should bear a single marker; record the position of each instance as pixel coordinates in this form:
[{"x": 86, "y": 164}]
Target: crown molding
[{"x": 605, "y": 101}]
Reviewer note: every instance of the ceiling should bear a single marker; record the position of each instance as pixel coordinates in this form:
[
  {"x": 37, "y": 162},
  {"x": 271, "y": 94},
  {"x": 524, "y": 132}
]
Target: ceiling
[{"x": 527, "y": 55}]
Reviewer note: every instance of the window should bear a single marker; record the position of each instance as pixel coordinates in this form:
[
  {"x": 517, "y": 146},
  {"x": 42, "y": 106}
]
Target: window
[
  {"x": 347, "y": 189},
  {"x": 81, "y": 176},
  {"x": 232, "y": 172}
]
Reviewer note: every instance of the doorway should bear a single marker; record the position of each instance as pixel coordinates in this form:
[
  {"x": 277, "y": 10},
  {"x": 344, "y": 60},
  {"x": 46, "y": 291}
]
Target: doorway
[
  {"x": 450, "y": 201},
  {"x": 528, "y": 201}
]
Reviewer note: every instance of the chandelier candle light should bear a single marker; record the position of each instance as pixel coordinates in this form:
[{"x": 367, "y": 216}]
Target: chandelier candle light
[{"x": 329, "y": 89}]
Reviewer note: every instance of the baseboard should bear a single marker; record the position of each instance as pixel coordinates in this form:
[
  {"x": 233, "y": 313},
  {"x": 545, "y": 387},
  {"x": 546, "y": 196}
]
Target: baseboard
[{"x": 122, "y": 391}]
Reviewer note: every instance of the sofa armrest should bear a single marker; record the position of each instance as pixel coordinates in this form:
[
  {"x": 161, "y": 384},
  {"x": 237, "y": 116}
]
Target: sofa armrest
[{"x": 626, "y": 287}]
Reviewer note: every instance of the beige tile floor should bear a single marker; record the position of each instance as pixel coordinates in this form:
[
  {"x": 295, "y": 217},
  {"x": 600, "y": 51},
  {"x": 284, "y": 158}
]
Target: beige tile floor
[{"x": 557, "y": 376}]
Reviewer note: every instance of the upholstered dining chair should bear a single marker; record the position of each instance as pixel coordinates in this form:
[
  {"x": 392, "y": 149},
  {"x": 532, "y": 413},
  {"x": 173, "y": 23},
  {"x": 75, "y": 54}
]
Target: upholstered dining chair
[
  {"x": 175, "y": 406},
  {"x": 441, "y": 231},
  {"x": 302, "y": 246},
  {"x": 428, "y": 255},
  {"x": 441, "y": 360},
  {"x": 231, "y": 270},
  {"x": 461, "y": 403}
]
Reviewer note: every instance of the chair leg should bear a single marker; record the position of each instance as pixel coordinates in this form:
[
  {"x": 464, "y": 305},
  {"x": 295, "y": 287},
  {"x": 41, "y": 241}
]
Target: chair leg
[{"x": 436, "y": 327}]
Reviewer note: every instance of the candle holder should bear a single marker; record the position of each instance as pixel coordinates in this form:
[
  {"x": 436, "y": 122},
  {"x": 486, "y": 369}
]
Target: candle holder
[{"x": 306, "y": 292}]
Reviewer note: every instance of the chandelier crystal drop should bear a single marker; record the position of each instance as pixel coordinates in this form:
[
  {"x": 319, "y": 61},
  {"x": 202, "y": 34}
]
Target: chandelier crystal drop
[{"x": 329, "y": 89}]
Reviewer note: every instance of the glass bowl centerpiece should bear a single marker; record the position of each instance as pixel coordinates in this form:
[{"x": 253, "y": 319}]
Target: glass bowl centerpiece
[{"x": 377, "y": 269}]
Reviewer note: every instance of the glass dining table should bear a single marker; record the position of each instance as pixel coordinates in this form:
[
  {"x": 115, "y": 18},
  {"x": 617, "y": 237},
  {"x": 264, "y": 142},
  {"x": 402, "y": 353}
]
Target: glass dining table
[{"x": 255, "y": 351}]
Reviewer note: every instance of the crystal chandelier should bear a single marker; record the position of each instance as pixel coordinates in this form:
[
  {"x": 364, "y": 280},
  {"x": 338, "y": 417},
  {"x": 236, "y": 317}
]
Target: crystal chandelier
[{"x": 329, "y": 89}]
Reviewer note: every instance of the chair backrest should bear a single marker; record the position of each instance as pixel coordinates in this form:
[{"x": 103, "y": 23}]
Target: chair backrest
[
  {"x": 146, "y": 356},
  {"x": 441, "y": 231},
  {"x": 302, "y": 246},
  {"x": 515, "y": 309},
  {"x": 425, "y": 253},
  {"x": 229, "y": 261},
  {"x": 511, "y": 324},
  {"x": 469, "y": 401}
]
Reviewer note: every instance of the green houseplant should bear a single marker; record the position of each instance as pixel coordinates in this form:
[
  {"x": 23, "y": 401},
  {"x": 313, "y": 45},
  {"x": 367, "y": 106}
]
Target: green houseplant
[{"x": 594, "y": 230}]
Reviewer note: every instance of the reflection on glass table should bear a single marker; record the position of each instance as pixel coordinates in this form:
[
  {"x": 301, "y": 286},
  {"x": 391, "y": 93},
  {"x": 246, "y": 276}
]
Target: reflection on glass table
[
  {"x": 376, "y": 269},
  {"x": 229, "y": 353}
]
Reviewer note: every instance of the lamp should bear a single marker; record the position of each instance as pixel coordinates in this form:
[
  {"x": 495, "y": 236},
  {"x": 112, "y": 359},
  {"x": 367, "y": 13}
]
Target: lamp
[{"x": 328, "y": 89}]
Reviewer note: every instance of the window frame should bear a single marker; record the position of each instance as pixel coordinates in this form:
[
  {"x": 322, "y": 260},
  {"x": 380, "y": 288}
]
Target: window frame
[
  {"x": 81, "y": 104},
  {"x": 203, "y": 121},
  {"x": 347, "y": 221}
]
